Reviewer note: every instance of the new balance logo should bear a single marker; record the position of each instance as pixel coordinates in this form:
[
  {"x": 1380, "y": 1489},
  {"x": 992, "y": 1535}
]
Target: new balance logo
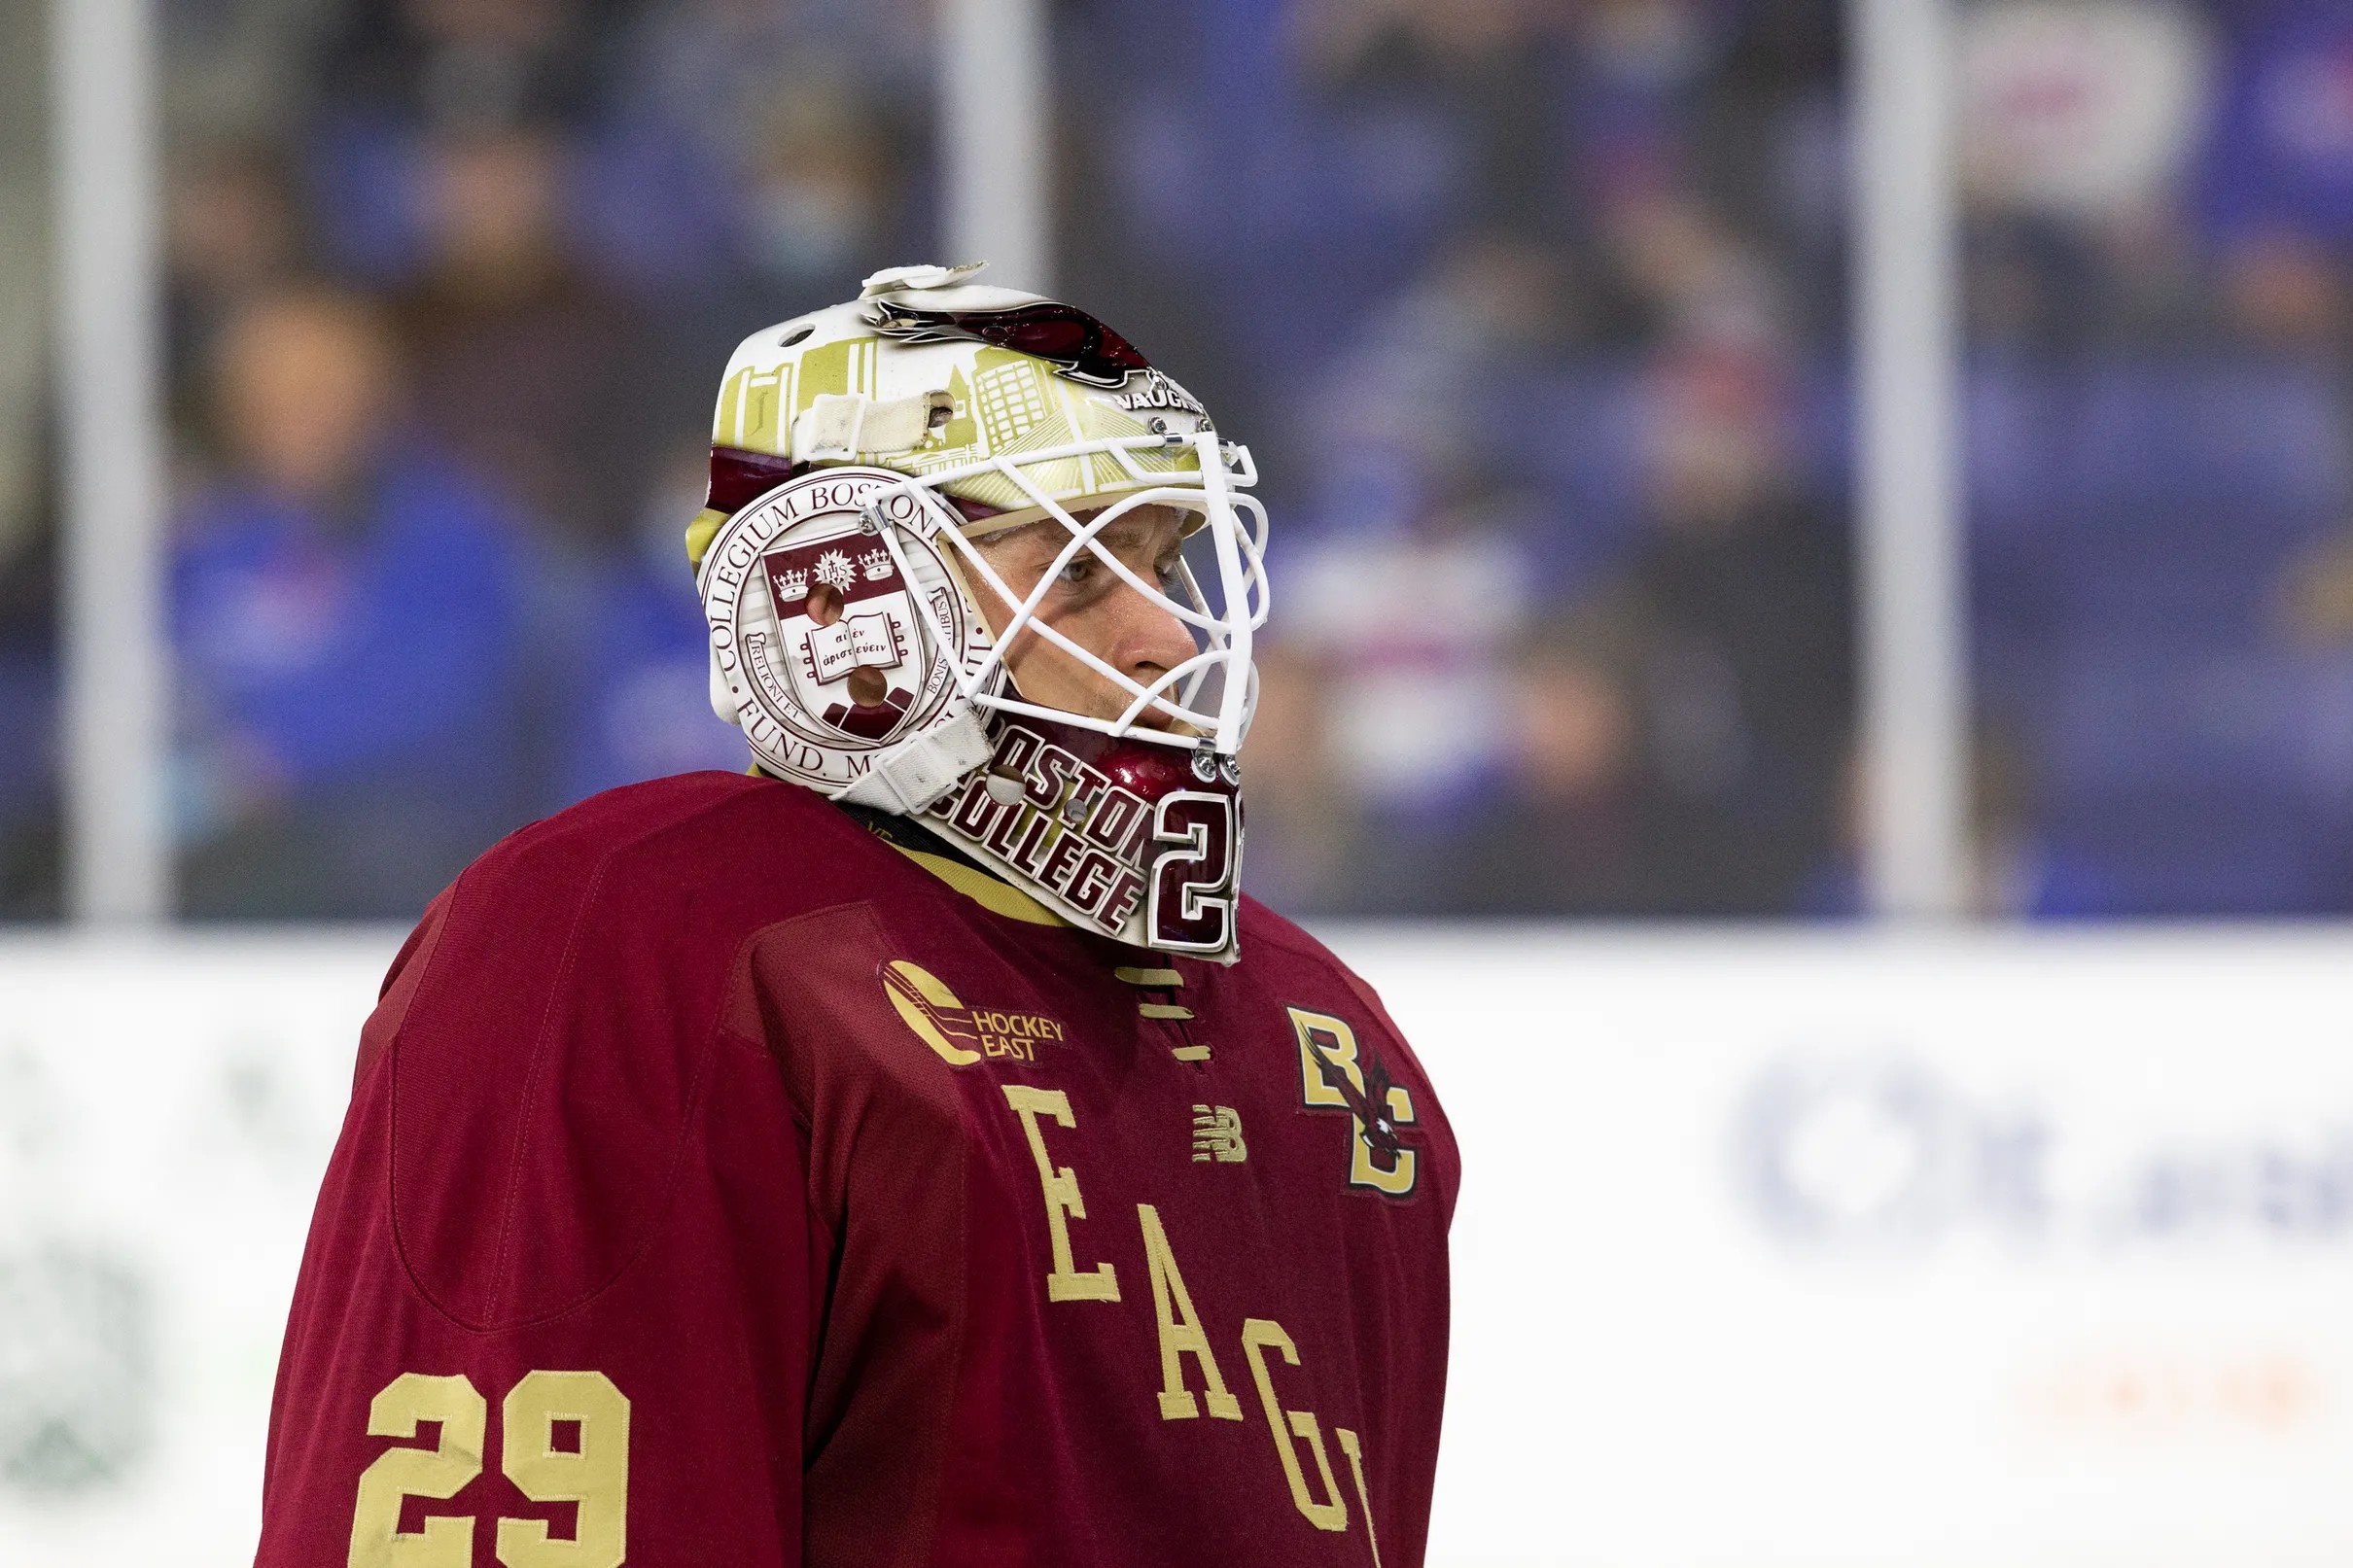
[{"x": 1217, "y": 1134}]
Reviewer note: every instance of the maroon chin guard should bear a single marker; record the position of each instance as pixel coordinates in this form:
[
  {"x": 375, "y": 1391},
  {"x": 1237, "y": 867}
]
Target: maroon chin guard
[
  {"x": 1134, "y": 839},
  {"x": 1147, "y": 768}
]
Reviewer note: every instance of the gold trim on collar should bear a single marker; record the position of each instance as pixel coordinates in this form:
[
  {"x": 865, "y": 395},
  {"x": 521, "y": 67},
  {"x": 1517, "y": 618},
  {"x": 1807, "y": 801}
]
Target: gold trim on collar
[{"x": 986, "y": 891}]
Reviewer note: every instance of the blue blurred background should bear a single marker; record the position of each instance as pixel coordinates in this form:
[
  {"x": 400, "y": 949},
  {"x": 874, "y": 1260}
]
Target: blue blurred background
[{"x": 1534, "y": 312}]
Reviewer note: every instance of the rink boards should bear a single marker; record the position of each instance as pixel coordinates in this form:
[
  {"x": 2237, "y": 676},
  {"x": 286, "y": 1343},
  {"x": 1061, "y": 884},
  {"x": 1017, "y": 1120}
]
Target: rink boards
[{"x": 2015, "y": 1249}]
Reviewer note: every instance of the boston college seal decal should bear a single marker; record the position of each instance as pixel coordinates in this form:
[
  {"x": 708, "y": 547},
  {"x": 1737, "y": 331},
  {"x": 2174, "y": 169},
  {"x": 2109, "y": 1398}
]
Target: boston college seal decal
[{"x": 832, "y": 634}]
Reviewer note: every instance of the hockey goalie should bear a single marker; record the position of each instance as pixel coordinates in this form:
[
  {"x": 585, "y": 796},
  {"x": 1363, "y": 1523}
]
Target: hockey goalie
[{"x": 914, "y": 1150}]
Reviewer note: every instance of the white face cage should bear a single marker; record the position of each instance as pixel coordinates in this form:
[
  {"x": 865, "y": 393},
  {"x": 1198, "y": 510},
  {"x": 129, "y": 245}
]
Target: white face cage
[{"x": 1208, "y": 698}]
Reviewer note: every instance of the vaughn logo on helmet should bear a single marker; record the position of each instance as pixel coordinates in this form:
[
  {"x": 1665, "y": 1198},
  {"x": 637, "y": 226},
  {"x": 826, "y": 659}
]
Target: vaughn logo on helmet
[{"x": 1159, "y": 392}]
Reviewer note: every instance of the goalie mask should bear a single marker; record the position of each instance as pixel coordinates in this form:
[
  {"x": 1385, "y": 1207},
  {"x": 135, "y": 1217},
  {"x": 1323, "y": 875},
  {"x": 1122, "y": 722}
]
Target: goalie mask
[{"x": 860, "y": 455}]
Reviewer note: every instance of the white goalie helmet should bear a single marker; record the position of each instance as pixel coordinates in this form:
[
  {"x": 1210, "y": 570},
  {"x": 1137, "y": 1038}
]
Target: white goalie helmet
[{"x": 858, "y": 453}]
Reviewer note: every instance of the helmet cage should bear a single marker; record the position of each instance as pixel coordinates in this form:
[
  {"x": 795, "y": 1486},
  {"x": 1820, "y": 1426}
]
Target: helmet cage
[{"x": 1224, "y": 634}]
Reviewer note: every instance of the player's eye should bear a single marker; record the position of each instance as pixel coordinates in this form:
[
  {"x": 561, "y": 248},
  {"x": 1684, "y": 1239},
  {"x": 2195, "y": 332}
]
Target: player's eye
[{"x": 1079, "y": 573}]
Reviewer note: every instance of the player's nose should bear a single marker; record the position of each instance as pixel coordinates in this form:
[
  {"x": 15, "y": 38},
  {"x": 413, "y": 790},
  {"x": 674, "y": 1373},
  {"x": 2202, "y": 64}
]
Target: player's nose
[{"x": 1150, "y": 641}]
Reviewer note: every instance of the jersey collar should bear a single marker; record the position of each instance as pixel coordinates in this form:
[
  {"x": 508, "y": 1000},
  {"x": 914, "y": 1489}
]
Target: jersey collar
[{"x": 943, "y": 861}]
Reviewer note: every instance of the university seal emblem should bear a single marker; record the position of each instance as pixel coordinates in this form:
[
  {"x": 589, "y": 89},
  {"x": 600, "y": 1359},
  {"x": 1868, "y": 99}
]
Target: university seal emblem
[{"x": 836, "y": 628}]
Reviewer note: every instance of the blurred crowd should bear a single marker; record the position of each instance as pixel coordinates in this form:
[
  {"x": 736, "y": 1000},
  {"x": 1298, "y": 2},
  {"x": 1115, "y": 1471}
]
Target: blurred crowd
[
  {"x": 1541, "y": 310},
  {"x": 451, "y": 286},
  {"x": 1534, "y": 312}
]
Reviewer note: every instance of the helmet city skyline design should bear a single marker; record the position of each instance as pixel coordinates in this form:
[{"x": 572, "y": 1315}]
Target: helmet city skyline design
[{"x": 858, "y": 454}]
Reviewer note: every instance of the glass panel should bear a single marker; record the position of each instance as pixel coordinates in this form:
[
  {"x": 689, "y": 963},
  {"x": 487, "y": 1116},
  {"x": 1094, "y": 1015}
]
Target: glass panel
[
  {"x": 1534, "y": 318},
  {"x": 451, "y": 290},
  {"x": 2159, "y": 472},
  {"x": 30, "y": 863}
]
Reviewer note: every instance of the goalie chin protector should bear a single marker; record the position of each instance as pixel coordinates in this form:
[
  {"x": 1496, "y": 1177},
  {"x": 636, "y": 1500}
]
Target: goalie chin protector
[{"x": 847, "y": 646}]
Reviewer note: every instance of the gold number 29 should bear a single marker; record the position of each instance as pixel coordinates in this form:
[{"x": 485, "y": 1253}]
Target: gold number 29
[
  {"x": 593, "y": 1472},
  {"x": 587, "y": 1465},
  {"x": 406, "y": 1403}
]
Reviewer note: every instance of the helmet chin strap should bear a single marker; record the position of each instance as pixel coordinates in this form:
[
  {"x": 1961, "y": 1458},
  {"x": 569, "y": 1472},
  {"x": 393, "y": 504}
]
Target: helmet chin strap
[{"x": 911, "y": 775}]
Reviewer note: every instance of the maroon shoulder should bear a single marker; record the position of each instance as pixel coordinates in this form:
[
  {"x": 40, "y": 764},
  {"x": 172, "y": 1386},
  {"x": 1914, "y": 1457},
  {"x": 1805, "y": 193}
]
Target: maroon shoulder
[
  {"x": 548, "y": 1028},
  {"x": 1262, "y": 924},
  {"x": 1262, "y": 927}
]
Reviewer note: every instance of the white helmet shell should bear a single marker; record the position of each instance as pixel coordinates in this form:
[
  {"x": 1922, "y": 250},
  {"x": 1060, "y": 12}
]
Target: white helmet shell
[{"x": 858, "y": 452}]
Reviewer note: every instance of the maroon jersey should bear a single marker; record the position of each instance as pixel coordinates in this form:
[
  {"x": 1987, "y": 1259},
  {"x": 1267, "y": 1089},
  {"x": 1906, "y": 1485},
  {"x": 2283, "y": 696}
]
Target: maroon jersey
[{"x": 726, "y": 1186}]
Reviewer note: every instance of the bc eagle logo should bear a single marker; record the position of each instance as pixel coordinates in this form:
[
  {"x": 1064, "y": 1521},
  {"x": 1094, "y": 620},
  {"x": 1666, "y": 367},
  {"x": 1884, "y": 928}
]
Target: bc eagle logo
[{"x": 1337, "y": 1074}]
